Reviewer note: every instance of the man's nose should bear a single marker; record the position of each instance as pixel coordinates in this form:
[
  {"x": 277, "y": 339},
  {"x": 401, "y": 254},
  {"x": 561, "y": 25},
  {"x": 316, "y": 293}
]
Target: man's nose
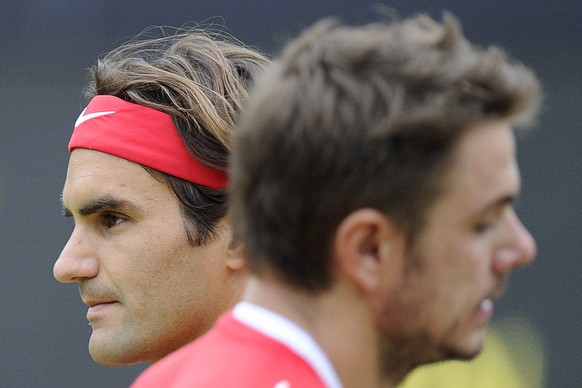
[
  {"x": 76, "y": 261},
  {"x": 518, "y": 250}
]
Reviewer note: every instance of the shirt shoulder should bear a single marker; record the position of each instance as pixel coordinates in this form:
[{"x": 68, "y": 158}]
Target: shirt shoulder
[{"x": 231, "y": 354}]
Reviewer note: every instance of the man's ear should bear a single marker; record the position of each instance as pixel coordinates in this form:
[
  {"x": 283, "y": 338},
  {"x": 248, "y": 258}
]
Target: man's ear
[
  {"x": 368, "y": 249},
  {"x": 235, "y": 260}
]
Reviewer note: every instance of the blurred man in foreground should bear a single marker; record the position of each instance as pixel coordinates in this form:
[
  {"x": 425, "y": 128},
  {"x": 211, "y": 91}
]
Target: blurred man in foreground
[{"x": 373, "y": 182}]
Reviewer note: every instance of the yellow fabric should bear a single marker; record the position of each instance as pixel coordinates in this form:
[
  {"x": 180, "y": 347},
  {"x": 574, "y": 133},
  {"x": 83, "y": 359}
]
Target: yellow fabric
[{"x": 512, "y": 357}]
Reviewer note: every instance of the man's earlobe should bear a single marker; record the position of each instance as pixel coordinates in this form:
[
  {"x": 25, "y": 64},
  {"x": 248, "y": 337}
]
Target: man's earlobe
[
  {"x": 235, "y": 260},
  {"x": 359, "y": 246}
]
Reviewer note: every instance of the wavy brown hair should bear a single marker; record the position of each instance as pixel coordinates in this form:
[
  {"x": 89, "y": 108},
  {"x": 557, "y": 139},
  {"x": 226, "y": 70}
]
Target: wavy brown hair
[{"x": 201, "y": 78}]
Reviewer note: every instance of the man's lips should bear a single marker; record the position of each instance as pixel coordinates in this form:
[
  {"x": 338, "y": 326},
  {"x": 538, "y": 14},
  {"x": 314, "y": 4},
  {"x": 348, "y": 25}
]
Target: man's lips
[
  {"x": 97, "y": 307},
  {"x": 484, "y": 311},
  {"x": 92, "y": 301},
  {"x": 485, "y": 307}
]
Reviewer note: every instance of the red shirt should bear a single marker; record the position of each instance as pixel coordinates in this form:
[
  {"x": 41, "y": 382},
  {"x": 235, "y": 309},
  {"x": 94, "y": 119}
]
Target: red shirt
[{"x": 232, "y": 354}]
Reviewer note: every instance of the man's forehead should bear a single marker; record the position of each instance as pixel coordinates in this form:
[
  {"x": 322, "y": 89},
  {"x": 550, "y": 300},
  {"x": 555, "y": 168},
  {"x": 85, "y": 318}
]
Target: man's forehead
[
  {"x": 92, "y": 175},
  {"x": 484, "y": 168},
  {"x": 84, "y": 156},
  {"x": 100, "y": 169}
]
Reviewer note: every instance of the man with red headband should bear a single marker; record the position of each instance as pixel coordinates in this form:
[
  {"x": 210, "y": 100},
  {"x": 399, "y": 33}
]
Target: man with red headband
[{"x": 145, "y": 187}]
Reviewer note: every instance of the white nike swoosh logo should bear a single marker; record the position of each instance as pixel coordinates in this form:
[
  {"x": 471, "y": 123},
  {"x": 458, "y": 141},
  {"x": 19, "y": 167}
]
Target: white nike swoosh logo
[{"x": 83, "y": 117}]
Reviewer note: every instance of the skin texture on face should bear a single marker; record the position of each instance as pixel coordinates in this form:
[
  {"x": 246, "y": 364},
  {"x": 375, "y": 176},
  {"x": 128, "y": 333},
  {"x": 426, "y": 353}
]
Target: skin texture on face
[
  {"x": 149, "y": 290},
  {"x": 460, "y": 262}
]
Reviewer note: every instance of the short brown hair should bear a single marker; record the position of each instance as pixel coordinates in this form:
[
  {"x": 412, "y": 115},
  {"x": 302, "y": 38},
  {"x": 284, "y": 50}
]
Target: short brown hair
[{"x": 354, "y": 117}]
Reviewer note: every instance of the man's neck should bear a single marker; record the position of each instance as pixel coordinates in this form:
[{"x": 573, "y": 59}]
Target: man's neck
[{"x": 338, "y": 319}]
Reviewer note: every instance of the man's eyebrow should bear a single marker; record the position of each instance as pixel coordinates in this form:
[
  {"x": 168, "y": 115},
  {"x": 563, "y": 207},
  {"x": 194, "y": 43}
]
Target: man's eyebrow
[
  {"x": 106, "y": 203},
  {"x": 501, "y": 202}
]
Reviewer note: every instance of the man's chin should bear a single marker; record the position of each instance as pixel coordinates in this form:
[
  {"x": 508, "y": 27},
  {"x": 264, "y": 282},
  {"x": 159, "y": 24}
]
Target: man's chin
[
  {"x": 110, "y": 353},
  {"x": 462, "y": 354},
  {"x": 450, "y": 353}
]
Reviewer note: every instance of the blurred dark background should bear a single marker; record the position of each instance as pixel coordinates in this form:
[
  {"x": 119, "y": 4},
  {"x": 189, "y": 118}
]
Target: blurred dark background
[{"x": 45, "y": 50}]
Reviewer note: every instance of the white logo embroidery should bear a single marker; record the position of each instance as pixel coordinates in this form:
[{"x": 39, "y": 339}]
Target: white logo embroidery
[
  {"x": 83, "y": 117},
  {"x": 282, "y": 384}
]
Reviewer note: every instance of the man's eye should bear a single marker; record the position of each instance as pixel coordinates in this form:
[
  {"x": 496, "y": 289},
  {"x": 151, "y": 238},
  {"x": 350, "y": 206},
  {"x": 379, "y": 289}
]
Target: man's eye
[
  {"x": 111, "y": 220},
  {"x": 485, "y": 226}
]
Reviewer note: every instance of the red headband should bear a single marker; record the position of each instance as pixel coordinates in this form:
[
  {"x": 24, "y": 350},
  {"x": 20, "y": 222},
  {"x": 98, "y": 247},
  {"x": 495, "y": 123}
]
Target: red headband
[{"x": 141, "y": 135}]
